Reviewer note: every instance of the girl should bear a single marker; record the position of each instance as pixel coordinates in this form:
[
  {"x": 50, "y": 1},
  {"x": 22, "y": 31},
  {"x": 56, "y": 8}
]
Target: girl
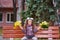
[{"x": 29, "y": 29}]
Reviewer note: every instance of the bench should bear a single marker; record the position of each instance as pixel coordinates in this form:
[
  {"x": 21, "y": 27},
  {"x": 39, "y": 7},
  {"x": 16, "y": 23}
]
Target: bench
[{"x": 52, "y": 32}]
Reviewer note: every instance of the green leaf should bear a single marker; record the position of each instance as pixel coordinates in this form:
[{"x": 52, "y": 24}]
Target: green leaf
[
  {"x": 51, "y": 10},
  {"x": 52, "y": 17},
  {"x": 57, "y": 0},
  {"x": 37, "y": 14},
  {"x": 34, "y": 6}
]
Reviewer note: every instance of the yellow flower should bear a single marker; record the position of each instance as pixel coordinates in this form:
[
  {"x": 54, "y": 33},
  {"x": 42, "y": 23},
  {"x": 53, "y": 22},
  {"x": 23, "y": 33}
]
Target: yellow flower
[
  {"x": 16, "y": 24},
  {"x": 44, "y": 23}
]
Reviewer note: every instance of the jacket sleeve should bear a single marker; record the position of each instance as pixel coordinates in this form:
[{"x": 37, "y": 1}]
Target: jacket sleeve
[
  {"x": 35, "y": 29},
  {"x": 24, "y": 31}
]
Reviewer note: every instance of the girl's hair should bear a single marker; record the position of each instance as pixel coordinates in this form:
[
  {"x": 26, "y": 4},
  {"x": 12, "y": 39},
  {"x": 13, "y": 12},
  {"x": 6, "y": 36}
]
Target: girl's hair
[{"x": 26, "y": 23}]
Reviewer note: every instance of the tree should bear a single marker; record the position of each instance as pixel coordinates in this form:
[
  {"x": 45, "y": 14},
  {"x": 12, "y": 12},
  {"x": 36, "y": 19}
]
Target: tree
[
  {"x": 40, "y": 10},
  {"x": 14, "y": 7}
]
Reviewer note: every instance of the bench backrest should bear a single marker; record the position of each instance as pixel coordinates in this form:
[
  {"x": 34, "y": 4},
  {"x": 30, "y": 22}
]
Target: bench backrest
[{"x": 52, "y": 32}]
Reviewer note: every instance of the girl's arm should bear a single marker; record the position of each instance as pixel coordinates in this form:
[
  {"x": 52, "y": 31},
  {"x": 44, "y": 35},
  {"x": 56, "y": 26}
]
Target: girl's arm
[
  {"x": 38, "y": 28},
  {"x": 23, "y": 30},
  {"x": 21, "y": 27},
  {"x": 35, "y": 29}
]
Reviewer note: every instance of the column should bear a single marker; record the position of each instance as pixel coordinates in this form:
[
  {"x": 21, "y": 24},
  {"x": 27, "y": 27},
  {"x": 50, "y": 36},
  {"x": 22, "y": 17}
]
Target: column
[{"x": 19, "y": 10}]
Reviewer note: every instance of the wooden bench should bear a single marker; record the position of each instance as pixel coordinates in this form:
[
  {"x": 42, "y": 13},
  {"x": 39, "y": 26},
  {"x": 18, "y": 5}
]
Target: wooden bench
[{"x": 9, "y": 32}]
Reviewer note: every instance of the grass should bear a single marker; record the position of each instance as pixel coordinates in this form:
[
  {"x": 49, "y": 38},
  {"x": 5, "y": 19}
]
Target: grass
[
  {"x": 0, "y": 31},
  {"x": 17, "y": 39},
  {"x": 20, "y": 39}
]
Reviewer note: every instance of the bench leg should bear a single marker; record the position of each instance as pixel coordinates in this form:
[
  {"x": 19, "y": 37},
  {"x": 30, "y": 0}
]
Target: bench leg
[
  {"x": 11, "y": 38},
  {"x": 50, "y": 38}
]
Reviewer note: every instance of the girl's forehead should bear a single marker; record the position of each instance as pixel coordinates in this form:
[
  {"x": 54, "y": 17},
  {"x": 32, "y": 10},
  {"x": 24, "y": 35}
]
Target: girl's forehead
[{"x": 29, "y": 20}]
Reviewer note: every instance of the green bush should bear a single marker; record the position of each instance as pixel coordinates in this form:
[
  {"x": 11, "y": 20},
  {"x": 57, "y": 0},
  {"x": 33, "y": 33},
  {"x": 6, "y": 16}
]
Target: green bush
[{"x": 40, "y": 10}]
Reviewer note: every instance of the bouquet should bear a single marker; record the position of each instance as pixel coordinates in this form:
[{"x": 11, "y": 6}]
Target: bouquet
[
  {"x": 17, "y": 24},
  {"x": 44, "y": 24}
]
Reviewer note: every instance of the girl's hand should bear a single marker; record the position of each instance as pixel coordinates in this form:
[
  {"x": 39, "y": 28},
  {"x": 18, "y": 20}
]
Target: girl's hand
[
  {"x": 21, "y": 27},
  {"x": 38, "y": 28}
]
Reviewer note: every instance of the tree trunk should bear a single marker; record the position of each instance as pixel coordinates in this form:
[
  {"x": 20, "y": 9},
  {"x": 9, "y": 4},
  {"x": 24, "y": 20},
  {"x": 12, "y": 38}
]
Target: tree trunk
[
  {"x": 14, "y": 11},
  {"x": 19, "y": 10}
]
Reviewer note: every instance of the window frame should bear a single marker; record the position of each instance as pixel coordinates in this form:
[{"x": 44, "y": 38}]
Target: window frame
[{"x": 9, "y": 17}]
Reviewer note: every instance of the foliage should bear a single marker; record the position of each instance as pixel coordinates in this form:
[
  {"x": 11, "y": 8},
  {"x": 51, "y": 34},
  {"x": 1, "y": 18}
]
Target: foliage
[
  {"x": 40, "y": 10},
  {"x": 58, "y": 4}
]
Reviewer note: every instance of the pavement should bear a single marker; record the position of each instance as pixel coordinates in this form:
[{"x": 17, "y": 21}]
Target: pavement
[{"x": 1, "y": 38}]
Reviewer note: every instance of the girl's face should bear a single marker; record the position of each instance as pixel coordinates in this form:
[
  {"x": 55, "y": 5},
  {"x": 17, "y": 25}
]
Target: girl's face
[{"x": 29, "y": 22}]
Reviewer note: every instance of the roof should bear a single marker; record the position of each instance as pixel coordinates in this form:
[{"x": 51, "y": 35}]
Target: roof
[{"x": 6, "y": 3}]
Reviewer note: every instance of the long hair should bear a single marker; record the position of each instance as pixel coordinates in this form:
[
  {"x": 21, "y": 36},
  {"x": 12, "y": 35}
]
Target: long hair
[{"x": 26, "y": 23}]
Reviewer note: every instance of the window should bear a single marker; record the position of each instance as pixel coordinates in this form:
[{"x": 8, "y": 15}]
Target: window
[
  {"x": 0, "y": 16},
  {"x": 10, "y": 17}
]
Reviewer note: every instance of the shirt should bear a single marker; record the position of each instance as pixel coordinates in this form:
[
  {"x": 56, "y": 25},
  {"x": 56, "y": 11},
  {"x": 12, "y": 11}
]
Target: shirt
[{"x": 29, "y": 30}]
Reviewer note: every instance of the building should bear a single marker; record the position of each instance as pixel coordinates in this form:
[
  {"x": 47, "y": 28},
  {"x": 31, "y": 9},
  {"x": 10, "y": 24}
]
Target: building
[{"x": 6, "y": 12}]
